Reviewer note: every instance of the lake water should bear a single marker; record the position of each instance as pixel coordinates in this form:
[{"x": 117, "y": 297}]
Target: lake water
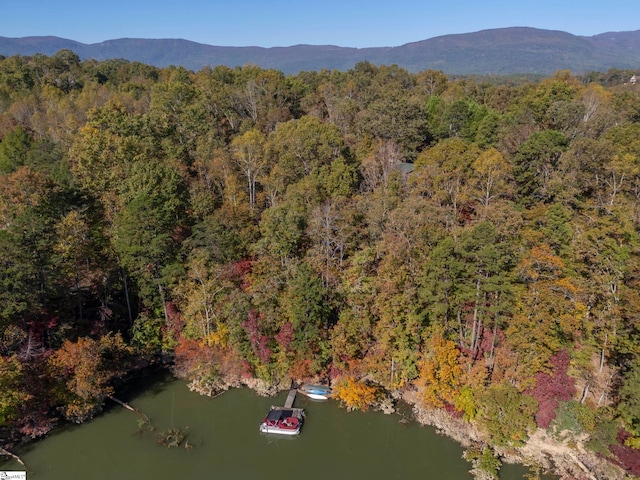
[{"x": 226, "y": 444}]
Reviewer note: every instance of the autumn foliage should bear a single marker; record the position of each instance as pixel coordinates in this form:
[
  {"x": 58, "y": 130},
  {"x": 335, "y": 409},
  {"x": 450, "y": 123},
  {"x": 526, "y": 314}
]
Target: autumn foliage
[
  {"x": 13, "y": 394},
  {"x": 87, "y": 370},
  {"x": 627, "y": 456},
  {"x": 210, "y": 368},
  {"x": 552, "y": 388},
  {"x": 354, "y": 394},
  {"x": 440, "y": 372},
  {"x": 470, "y": 240}
]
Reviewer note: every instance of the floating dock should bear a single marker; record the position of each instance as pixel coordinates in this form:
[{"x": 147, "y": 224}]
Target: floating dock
[{"x": 284, "y": 420}]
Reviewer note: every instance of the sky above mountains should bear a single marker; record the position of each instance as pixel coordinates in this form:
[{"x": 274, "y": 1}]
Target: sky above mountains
[{"x": 359, "y": 23}]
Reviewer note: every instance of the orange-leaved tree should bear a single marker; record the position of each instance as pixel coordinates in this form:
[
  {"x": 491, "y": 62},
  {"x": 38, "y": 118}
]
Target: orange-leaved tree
[
  {"x": 440, "y": 371},
  {"x": 354, "y": 394},
  {"x": 85, "y": 371}
]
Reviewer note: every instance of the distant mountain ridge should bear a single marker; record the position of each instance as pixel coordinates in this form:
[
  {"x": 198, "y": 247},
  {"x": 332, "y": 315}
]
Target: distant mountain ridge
[{"x": 513, "y": 50}]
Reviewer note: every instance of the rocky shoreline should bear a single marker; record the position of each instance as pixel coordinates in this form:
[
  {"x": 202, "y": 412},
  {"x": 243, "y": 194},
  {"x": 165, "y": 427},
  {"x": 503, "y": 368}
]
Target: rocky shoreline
[{"x": 541, "y": 450}]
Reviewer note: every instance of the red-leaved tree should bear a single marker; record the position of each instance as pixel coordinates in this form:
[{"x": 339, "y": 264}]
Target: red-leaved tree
[
  {"x": 553, "y": 388},
  {"x": 627, "y": 457},
  {"x": 259, "y": 341}
]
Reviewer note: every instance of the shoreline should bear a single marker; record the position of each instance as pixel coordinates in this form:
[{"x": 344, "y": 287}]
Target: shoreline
[{"x": 541, "y": 449}]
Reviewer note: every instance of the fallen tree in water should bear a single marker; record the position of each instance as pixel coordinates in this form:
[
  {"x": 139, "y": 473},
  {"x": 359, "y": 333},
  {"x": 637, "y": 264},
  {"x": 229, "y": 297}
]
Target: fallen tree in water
[
  {"x": 4, "y": 451},
  {"x": 129, "y": 407}
]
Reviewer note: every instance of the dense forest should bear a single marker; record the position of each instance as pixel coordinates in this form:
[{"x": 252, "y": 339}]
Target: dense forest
[{"x": 473, "y": 241}]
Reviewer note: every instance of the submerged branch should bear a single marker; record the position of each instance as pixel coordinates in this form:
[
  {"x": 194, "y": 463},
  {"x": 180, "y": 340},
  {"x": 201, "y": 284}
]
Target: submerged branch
[
  {"x": 4, "y": 451},
  {"x": 129, "y": 407}
]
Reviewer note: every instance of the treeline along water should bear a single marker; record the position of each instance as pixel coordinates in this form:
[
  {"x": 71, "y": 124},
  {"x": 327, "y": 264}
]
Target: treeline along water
[{"x": 223, "y": 442}]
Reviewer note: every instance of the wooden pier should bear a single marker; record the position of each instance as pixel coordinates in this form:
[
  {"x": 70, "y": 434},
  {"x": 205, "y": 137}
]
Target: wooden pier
[{"x": 290, "y": 398}]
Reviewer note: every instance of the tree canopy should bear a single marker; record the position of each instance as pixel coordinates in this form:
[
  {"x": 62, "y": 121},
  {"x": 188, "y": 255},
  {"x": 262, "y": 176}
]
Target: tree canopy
[{"x": 474, "y": 240}]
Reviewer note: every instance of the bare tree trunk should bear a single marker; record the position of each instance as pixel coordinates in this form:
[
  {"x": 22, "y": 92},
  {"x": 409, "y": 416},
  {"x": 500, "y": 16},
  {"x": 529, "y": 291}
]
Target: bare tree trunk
[
  {"x": 129, "y": 407},
  {"x": 602, "y": 353},
  {"x": 164, "y": 303},
  {"x": 392, "y": 370},
  {"x": 585, "y": 392},
  {"x": 475, "y": 330},
  {"x": 79, "y": 293},
  {"x": 461, "y": 331},
  {"x": 493, "y": 344},
  {"x": 4, "y": 451},
  {"x": 583, "y": 467},
  {"x": 126, "y": 295},
  {"x": 602, "y": 397}
]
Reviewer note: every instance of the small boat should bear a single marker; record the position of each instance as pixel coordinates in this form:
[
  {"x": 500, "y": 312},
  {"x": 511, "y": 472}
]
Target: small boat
[
  {"x": 283, "y": 421},
  {"x": 317, "y": 392}
]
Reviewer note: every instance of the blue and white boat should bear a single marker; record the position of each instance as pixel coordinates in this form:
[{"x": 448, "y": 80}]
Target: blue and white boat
[{"x": 317, "y": 392}]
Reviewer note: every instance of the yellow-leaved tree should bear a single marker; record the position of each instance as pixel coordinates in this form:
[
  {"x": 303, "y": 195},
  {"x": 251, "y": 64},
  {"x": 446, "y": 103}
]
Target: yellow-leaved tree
[
  {"x": 354, "y": 394},
  {"x": 440, "y": 371}
]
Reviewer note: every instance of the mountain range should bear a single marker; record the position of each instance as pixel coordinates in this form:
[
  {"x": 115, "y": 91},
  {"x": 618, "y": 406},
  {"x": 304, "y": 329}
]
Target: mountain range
[{"x": 514, "y": 50}]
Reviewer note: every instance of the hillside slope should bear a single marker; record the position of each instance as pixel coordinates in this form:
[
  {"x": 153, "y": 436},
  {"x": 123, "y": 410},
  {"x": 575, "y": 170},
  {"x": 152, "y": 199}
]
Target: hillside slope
[{"x": 496, "y": 51}]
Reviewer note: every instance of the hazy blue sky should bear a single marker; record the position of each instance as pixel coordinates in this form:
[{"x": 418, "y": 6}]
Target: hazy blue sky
[{"x": 268, "y": 23}]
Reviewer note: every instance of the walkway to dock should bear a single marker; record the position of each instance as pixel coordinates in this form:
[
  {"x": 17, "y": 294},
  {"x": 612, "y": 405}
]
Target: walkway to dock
[{"x": 290, "y": 398}]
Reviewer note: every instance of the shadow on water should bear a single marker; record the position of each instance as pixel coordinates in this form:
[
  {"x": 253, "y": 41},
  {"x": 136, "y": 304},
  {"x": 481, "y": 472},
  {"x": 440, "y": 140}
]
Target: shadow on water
[{"x": 148, "y": 382}]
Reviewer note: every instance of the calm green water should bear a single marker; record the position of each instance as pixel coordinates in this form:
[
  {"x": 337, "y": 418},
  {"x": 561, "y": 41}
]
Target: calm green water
[{"x": 227, "y": 445}]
